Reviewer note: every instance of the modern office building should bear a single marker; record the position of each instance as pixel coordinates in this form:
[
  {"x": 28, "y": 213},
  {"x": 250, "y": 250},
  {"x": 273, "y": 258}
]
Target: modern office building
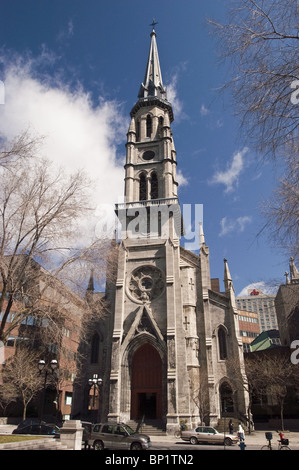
[
  {"x": 261, "y": 304},
  {"x": 249, "y": 328}
]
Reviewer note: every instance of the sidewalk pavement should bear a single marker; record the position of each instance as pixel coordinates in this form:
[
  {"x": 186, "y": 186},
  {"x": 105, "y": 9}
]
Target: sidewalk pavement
[{"x": 256, "y": 438}]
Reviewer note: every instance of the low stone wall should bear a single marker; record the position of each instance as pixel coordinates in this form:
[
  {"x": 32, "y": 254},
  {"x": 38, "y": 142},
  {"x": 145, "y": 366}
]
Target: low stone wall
[{"x": 9, "y": 420}]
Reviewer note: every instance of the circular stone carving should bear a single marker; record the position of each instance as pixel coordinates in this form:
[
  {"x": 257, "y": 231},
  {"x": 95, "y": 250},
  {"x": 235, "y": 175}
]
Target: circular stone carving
[{"x": 146, "y": 284}]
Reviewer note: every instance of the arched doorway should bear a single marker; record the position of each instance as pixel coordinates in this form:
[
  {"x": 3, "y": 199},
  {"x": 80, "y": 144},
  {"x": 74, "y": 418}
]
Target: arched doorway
[
  {"x": 226, "y": 397},
  {"x": 146, "y": 383}
]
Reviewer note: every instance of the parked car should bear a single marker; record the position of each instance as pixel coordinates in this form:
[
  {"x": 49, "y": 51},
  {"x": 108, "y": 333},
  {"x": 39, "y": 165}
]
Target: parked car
[
  {"x": 206, "y": 434},
  {"x": 117, "y": 436},
  {"x": 38, "y": 429},
  {"x": 29, "y": 421}
]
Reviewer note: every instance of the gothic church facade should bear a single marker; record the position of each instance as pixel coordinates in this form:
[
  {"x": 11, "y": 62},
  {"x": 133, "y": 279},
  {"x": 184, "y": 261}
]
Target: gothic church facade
[{"x": 167, "y": 346}]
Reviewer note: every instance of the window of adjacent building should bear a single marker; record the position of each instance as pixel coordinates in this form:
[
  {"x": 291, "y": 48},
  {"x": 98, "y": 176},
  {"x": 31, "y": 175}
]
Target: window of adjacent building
[
  {"x": 68, "y": 398},
  {"x": 11, "y": 341}
]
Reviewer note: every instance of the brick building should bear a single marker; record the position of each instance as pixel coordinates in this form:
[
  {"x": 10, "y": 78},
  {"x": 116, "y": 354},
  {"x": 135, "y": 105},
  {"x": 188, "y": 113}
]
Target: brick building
[{"x": 33, "y": 331}]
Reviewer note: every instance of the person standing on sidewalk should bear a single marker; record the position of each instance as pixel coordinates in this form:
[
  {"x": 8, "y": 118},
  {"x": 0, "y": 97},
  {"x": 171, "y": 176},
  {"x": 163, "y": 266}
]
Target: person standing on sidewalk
[{"x": 241, "y": 433}]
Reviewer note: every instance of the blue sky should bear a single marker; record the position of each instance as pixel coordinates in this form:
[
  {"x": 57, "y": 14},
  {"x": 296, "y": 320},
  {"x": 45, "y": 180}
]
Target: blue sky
[{"x": 72, "y": 71}]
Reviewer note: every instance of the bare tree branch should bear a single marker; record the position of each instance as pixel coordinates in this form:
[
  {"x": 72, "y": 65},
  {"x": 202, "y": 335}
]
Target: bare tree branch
[{"x": 261, "y": 41}]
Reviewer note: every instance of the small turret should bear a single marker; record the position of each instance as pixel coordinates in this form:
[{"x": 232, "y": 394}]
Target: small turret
[
  {"x": 228, "y": 283},
  {"x": 294, "y": 273}
]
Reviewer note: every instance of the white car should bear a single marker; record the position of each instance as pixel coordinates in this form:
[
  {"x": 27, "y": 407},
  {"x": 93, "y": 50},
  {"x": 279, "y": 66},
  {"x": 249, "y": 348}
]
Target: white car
[{"x": 206, "y": 434}]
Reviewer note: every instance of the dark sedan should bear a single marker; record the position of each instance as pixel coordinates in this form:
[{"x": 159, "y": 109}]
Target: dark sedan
[{"x": 39, "y": 429}]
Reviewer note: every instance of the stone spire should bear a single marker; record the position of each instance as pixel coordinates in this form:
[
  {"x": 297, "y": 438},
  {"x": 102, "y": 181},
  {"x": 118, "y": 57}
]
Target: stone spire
[
  {"x": 90, "y": 287},
  {"x": 152, "y": 91},
  {"x": 228, "y": 283},
  {"x": 229, "y": 287},
  {"x": 201, "y": 236},
  {"x": 152, "y": 85}
]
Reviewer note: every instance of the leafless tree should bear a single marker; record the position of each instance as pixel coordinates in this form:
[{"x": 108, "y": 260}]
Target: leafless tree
[
  {"x": 43, "y": 242},
  {"x": 270, "y": 373},
  {"x": 201, "y": 400},
  {"x": 261, "y": 40},
  {"x": 23, "y": 146},
  {"x": 21, "y": 378},
  {"x": 282, "y": 209}
]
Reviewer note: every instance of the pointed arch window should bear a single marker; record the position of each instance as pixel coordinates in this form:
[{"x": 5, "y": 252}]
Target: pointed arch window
[
  {"x": 142, "y": 187},
  {"x": 95, "y": 347},
  {"x": 160, "y": 128},
  {"x": 138, "y": 131},
  {"x": 149, "y": 126},
  {"x": 222, "y": 342},
  {"x": 154, "y": 186}
]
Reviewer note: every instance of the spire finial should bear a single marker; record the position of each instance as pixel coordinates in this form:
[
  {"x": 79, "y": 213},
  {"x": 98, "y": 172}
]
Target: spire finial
[{"x": 153, "y": 24}]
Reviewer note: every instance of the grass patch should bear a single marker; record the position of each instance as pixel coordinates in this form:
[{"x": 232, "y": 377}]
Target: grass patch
[{"x": 13, "y": 438}]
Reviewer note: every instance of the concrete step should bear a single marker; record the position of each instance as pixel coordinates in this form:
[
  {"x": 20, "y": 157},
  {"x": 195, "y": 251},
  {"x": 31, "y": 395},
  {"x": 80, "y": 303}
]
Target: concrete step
[{"x": 150, "y": 427}]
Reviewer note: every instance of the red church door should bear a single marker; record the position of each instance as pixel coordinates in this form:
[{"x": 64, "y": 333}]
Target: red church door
[{"x": 146, "y": 383}]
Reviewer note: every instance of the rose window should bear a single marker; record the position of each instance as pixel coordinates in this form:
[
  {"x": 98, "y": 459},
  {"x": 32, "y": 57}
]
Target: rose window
[{"x": 146, "y": 283}]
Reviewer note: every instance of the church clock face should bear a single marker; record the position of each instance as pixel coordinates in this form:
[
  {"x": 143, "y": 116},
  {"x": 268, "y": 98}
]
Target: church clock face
[{"x": 146, "y": 284}]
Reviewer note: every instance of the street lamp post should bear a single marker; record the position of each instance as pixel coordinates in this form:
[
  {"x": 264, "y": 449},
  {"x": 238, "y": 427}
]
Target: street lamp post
[
  {"x": 95, "y": 382},
  {"x": 42, "y": 367}
]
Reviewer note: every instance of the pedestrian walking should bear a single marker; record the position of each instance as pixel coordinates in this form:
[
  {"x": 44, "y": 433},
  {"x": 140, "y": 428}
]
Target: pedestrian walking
[
  {"x": 241, "y": 433},
  {"x": 231, "y": 426}
]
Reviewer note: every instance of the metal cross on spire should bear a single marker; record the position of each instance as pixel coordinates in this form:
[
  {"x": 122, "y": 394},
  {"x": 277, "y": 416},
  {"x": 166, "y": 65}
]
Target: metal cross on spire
[{"x": 153, "y": 24}]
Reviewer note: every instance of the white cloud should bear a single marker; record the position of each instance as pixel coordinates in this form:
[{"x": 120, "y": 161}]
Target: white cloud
[
  {"x": 182, "y": 180},
  {"x": 261, "y": 285},
  {"x": 172, "y": 96},
  {"x": 233, "y": 225},
  {"x": 230, "y": 176},
  {"x": 77, "y": 133},
  {"x": 172, "y": 93},
  {"x": 66, "y": 33},
  {"x": 177, "y": 105},
  {"x": 203, "y": 110}
]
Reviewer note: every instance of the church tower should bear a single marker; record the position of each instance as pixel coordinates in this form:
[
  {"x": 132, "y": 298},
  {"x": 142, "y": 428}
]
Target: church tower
[
  {"x": 149, "y": 375},
  {"x": 166, "y": 344}
]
